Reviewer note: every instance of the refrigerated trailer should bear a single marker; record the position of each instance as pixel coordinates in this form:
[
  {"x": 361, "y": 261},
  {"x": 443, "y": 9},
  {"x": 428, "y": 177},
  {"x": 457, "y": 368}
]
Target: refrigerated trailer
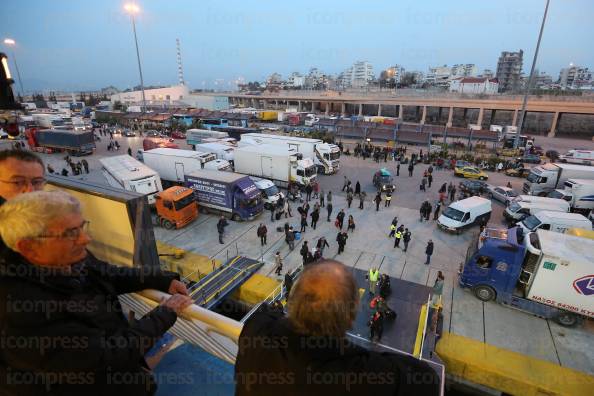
[{"x": 127, "y": 173}]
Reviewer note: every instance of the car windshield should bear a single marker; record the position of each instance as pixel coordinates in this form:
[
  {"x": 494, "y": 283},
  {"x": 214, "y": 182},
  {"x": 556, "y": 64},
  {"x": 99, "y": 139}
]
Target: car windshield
[
  {"x": 182, "y": 203},
  {"x": 453, "y": 214},
  {"x": 556, "y": 194},
  {"x": 249, "y": 203},
  {"x": 271, "y": 191},
  {"x": 531, "y": 222},
  {"x": 310, "y": 171},
  {"x": 533, "y": 178},
  {"x": 512, "y": 193},
  {"x": 514, "y": 207}
]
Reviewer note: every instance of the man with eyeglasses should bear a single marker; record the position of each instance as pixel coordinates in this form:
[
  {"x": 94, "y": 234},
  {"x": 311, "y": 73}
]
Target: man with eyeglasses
[
  {"x": 62, "y": 328},
  {"x": 20, "y": 172}
]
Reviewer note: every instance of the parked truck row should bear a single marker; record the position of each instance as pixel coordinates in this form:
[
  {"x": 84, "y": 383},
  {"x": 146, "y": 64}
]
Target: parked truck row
[{"x": 546, "y": 178}]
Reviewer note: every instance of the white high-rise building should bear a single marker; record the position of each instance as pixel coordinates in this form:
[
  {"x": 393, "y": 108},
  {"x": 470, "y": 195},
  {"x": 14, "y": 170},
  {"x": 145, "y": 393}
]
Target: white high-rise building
[
  {"x": 575, "y": 77},
  {"x": 358, "y": 75},
  {"x": 439, "y": 75},
  {"x": 466, "y": 70}
]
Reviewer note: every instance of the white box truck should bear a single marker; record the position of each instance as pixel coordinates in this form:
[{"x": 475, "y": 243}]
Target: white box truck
[
  {"x": 127, "y": 173},
  {"x": 173, "y": 164},
  {"x": 579, "y": 193},
  {"x": 220, "y": 150},
  {"x": 548, "y": 274},
  {"x": 326, "y": 156},
  {"x": 545, "y": 178},
  {"x": 280, "y": 164}
]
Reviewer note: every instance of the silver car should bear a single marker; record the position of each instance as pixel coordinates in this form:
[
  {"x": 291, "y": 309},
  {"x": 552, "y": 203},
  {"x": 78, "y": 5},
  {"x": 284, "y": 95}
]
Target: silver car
[{"x": 501, "y": 193}]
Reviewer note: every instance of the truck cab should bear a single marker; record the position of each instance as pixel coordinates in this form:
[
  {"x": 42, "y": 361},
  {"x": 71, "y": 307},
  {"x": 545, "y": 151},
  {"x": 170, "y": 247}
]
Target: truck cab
[
  {"x": 518, "y": 210},
  {"x": 270, "y": 193},
  {"x": 329, "y": 157},
  {"x": 382, "y": 180},
  {"x": 303, "y": 171},
  {"x": 176, "y": 207}
]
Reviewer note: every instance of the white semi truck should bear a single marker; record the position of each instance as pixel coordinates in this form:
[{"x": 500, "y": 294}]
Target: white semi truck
[
  {"x": 173, "y": 164},
  {"x": 325, "y": 156},
  {"x": 548, "y": 177},
  {"x": 579, "y": 193},
  {"x": 222, "y": 151},
  {"x": 280, "y": 164},
  {"x": 127, "y": 173}
]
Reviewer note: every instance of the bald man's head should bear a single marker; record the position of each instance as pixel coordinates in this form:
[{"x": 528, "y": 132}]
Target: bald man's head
[{"x": 324, "y": 300}]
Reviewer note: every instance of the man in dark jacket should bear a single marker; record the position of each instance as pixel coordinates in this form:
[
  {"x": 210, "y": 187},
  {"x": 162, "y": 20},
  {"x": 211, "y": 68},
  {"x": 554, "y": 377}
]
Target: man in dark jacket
[
  {"x": 262, "y": 232},
  {"x": 88, "y": 347},
  {"x": 315, "y": 216},
  {"x": 308, "y": 352},
  {"x": 221, "y": 228},
  {"x": 429, "y": 251}
]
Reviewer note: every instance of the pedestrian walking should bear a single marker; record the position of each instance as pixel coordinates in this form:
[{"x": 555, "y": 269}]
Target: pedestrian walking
[
  {"x": 398, "y": 169},
  {"x": 221, "y": 228},
  {"x": 340, "y": 219},
  {"x": 437, "y": 289},
  {"x": 397, "y": 238},
  {"x": 372, "y": 277},
  {"x": 429, "y": 179},
  {"x": 422, "y": 212},
  {"x": 315, "y": 216},
  {"x": 406, "y": 238},
  {"x": 388, "y": 199},
  {"x": 344, "y": 184},
  {"x": 376, "y": 326},
  {"x": 429, "y": 251},
  {"x": 377, "y": 200},
  {"x": 261, "y": 232},
  {"x": 278, "y": 260},
  {"x": 322, "y": 244},
  {"x": 85, "y": 165},
  {"x": 436, "y": 213},
  {"x": 443, "y": 188},
  {"x": 317, "y": 256},
  {"x": 287, "y": 208},
  {"x": 392, "y": 230},
  {"x": 362, "y": 197},
  {"x": 351, "y": 224},
  {"x": 129, "y": 151},
  {"x": 423, "y": 183},
  {"x": 357, "y": 188},
  {"x": 453, "y": 194},
  {"x": 322, "y": 199},
  {"x": 329, "y": 209},
  {"x": 304, "y": 251},
  {"x": 303, "y": 221},
  {"x": 290, "y": 238},
  {"x": 316, "y": 190},
  {"x": 349, "y": 198},
  {"x": 411, "y": 167},
  {"x": 272, "y": 208},
  {"x": 308, "y": 191},
  {"x": 329, "y": 197},
  {"x": 341, "y": 238},
  {"x": 428, "y": 211}
]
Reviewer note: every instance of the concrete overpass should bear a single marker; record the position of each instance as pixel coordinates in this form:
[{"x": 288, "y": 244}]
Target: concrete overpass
[{"x": 329, "y": 103}]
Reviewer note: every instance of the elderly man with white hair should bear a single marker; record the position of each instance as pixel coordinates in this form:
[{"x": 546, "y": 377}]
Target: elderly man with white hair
[{"x": 61, "y": 324}]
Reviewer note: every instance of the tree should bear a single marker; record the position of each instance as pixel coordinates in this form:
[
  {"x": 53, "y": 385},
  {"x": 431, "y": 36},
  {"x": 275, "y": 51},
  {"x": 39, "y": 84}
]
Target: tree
[{"x": 407, "y": 80}]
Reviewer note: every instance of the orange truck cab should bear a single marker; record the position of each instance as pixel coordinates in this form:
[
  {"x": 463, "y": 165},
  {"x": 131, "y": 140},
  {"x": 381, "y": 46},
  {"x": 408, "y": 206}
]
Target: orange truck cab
[{"x": 176, "y": 207}]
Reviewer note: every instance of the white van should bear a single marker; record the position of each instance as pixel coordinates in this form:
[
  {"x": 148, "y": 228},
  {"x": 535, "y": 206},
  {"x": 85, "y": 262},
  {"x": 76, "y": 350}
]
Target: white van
[
  {"x": 464, "y": 213},
  {"x": 554, "y": 221},
  {"x": 518, "y": 210},
  {"x": 270, "y": 193},
  {"x": 530, "y": 198},
  {"x": 582, "y": 157}
]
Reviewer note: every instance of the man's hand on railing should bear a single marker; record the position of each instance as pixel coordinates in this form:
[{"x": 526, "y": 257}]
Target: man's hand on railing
[
  {"x": 177, "y": 287},
  {"x": 177, "y": 303}
]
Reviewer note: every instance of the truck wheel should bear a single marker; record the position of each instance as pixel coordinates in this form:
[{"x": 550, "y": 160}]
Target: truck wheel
[
  {"x": 484, "y": 293},
  {"x": 566, "y": 319},
  {"x": 167, "y": 224}
]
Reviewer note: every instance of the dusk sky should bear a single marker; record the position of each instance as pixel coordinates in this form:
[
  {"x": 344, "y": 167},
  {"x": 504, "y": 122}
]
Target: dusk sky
[{"x": 84, "y": 45}]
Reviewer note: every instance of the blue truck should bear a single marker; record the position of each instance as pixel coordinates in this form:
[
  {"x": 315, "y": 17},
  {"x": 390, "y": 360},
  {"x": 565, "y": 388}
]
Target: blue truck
[
  {"x": 74, "y": 142},
  {"x": 231, "y": 194},
  {"x": 544, "y": 273}
]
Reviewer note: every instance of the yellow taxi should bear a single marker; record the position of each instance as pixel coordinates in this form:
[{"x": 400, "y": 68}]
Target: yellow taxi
[{"x": 470, "y": 172}]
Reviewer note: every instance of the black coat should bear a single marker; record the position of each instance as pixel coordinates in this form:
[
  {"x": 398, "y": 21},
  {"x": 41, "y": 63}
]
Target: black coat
[
  {"x": 89, "y": 342},
  {"x": 283, "y": 362}
]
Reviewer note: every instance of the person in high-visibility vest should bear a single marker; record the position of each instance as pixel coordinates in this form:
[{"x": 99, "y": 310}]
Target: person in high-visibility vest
[
  {"x": 373, "y": 278},
  {"x": 397, "y": 238},
  {"x": 392, "y": 230}
]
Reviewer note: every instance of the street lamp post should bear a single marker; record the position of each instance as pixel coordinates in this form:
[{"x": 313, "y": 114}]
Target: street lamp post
[
  {"x": 529, "y": 84},
  {"x": 11, "y": 43},
  {"x": 133, "y": 9}
]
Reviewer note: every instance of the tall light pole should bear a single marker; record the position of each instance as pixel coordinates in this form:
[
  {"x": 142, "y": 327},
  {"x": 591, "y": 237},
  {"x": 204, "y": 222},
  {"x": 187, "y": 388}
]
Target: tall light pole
[
  {"x": 11, "y": 43},
  {"x": 527, "y": 90},
  {"x": 133, "y": 9}
]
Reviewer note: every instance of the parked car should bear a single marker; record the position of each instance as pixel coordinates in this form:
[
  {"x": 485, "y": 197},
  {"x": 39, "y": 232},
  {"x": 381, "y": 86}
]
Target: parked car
[
  {"x": 470, "y": 172},
  {"x": 129, "y": 133},
  {"x": 474, "y": 187},
  {"x": 530, "y": 159},
  {"x": 152, "y": 133},
  {"x": 178, "y": 135},
  {"x": 501, "y": 193},
  {"x": 517, "y": 172}
]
